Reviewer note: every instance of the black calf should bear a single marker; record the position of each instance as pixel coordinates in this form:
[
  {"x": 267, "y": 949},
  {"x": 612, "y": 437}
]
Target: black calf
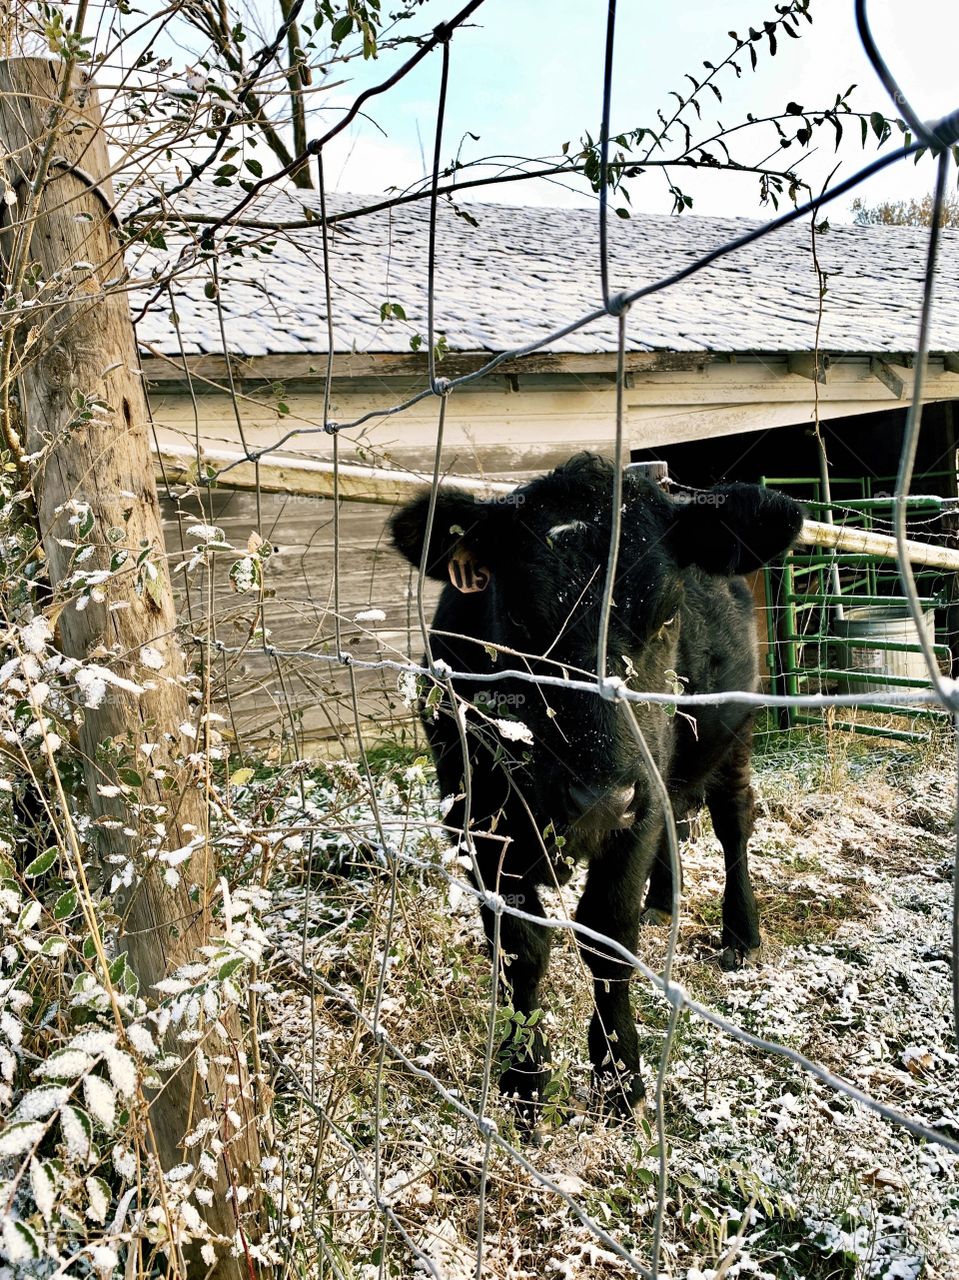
[{"x": 528, "y": 576}]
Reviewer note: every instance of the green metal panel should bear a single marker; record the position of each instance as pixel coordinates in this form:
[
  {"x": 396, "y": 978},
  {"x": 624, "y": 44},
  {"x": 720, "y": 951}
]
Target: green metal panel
[{"x": 804, "y": 593}]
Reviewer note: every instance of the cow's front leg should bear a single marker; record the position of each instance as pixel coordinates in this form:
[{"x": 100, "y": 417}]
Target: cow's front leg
[
  {"x": 521, "y": 961},
  {"x": 610, "y": 905},
  {"x": 732, "y": 808}
]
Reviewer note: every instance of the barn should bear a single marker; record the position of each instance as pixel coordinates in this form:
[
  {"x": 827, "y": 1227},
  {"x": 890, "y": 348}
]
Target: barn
[{"x": 728, "y": 375}]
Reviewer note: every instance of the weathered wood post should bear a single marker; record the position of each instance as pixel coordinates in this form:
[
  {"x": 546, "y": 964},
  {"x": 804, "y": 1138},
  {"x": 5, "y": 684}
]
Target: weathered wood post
[{"x": 76, "y": 346}]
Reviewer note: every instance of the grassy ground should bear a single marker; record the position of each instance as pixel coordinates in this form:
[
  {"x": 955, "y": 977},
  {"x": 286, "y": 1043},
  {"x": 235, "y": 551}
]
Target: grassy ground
[{"x": 770, "y": 1174}]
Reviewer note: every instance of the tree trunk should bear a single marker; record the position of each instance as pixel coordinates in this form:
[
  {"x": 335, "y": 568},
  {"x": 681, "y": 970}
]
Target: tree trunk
[{"x": 78, "y": 349}]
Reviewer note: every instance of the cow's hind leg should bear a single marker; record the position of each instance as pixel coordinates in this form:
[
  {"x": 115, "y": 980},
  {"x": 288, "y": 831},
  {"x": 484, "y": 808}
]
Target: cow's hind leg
[
  {"x": 523, "y": 954},
  {"x": 658, "y": 907},
  {"x": 731, "y": 804},
  {"x": 610, "y": 905}
]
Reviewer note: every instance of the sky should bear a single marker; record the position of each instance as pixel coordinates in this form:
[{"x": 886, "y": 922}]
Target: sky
[{"x": 526, "y": 76}]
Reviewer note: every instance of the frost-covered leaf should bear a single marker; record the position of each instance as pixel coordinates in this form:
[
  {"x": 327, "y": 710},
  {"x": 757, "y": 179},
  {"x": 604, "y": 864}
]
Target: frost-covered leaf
[
  {"x": 77, "y": 1132},
  {"x": 125, "y": 1162},
  {"x": 94, "y": 1041},
  {"x": 39, "y": 1103},
  {"x": 514, "y": 731},
  {"x": 123, "y": 1071},
  {"x": 65, "y": 905},
  {"x": 18, "y": 1138},
  {"x": 105, "y": 1260},
  {"x": 98, "y": 1194},
  {"x": 65, "y": 1064},
  {"x": 142, "y": 1040},
  {"x": 19, "y": 1242},
  {"x": 43, "y": 1185},
  {"x": 42, "y": 863},
  {"x": 101, "y": 1101},
  {"x": 29, "y": 917}
]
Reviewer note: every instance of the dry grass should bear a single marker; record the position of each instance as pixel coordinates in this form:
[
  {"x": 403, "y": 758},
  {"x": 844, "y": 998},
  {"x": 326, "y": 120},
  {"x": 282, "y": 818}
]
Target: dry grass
[{"x": 850, "y": 867}]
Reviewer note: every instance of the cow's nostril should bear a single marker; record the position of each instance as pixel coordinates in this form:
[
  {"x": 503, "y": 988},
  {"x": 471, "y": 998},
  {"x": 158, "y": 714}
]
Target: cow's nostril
[
  {"x": 607, "y": 806},
  {"x": 585, "y": 798}
]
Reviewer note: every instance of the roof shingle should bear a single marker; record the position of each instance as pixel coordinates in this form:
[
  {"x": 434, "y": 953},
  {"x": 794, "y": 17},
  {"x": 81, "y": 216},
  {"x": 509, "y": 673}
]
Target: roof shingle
[{"x": 525, "y": 272}]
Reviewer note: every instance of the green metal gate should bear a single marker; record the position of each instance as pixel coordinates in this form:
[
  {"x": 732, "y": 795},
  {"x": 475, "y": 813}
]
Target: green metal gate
[{"x": 806, "y": 594}]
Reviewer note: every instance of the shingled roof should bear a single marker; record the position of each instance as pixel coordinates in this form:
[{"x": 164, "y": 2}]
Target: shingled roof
[{"x": 522, "y": 273}]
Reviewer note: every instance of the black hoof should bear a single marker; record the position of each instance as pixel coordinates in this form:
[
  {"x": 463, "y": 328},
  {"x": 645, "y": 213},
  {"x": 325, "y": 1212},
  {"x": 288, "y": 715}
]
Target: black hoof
[
  {"x": 655, "y": 916},
  {"x": 733, "y": 958},
  {"x": 618, "y": 1099},
  {"x": 525, "y": 1090}
]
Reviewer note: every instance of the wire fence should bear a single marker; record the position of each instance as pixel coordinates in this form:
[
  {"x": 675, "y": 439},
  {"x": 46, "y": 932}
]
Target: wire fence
[
  {"x": 817, "y": 672},
  {"x": 385, "y": 1069}
]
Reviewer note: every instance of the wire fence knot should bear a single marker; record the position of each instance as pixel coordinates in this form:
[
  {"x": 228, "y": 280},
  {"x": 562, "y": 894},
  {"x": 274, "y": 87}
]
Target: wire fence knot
[
  {"x": 675, "y": 994},
  {"x": 612, "y": 688},
  {"x": 494, "y": 902},
  {"x": 946, "y": 130},
  {"x": 618, "y": 304}
]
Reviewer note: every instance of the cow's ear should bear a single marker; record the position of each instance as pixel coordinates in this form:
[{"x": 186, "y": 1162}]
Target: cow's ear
[
  {"x": 733, "y": 528},
  {"x": 460, "y": 549}
]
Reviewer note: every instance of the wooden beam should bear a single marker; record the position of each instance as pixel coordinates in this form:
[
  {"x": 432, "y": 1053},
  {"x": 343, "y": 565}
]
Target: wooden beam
[
  {"x": 842, "y": 538},
  {"x": 273, "y": 473},
  {"x": 950, "y": 362},
  {"x": 379, "y": 485},
  {"x": 159, "y": 367},
  {"x": 887, "y": 376},
  {"x": 809, "y": 365}
]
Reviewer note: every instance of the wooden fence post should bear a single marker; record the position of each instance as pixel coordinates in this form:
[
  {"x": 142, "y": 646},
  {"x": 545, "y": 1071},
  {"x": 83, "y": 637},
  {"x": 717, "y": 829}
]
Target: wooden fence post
[{"x": 76, "y": 347}]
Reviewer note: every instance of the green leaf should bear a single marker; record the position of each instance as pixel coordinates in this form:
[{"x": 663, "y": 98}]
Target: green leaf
[
  {"x": 229, "y": 969},
  {"x": 117, "y": 968},
  {"x": 254, "y": 167},
  {"x": 878, "y": 122},
  {"x": 130, "y": 777},
  {"x": 65, "y": 905},
  {"x": 43, "y": 863},
  {"x": 341, "y": 28},
  {"x": 155, "y": 588}
]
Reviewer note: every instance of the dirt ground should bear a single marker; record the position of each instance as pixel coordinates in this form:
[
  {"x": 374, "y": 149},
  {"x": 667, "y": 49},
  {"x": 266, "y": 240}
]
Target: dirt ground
[{"x": 770, "y": 1173}]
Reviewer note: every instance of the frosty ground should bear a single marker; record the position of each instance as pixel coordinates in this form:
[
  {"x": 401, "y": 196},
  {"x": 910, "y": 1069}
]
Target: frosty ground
[{"x": 770, "y": 1173}]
